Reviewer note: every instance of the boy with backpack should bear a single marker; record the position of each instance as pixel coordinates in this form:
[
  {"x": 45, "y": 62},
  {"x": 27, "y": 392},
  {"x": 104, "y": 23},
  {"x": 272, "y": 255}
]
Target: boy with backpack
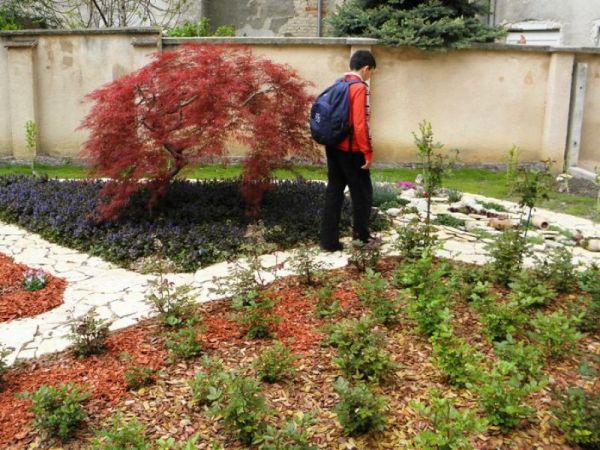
[{"x": 340, "y": 121}]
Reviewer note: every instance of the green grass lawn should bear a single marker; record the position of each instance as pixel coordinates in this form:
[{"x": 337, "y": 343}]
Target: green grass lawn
[{"x": 475, "y": 181}]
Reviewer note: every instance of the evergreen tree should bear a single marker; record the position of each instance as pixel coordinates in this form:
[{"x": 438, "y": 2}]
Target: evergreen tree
[{"x": 426, "y": 24}]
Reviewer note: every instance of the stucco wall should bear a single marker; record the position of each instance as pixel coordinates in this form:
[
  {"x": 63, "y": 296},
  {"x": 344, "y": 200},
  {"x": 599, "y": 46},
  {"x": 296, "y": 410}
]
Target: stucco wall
[
  {"x": 480, "y": 101},
  {"x": 5, "y": 140},
  {"x": 578, "y": 18}
]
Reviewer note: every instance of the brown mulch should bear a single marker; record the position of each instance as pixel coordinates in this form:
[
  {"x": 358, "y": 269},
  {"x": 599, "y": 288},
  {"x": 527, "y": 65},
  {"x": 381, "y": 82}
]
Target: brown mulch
[
  {"x": 167, "y": 409},
  {"x": 16, "y": 302}
]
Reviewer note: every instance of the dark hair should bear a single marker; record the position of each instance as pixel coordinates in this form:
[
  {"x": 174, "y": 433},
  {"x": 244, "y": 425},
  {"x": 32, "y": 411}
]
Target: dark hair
[{"x": 362, "y": 58}]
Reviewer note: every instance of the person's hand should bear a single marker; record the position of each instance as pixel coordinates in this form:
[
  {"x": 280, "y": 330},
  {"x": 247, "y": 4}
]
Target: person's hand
[{"x": 367, "y": 165}]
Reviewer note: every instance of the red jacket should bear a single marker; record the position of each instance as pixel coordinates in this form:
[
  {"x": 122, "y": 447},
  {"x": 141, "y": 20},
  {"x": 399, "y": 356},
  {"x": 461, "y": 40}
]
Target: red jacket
[{"x": 359, "y": 118}]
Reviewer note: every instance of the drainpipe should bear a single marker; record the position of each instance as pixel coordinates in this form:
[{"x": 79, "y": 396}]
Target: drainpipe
[
  {"x": 319, "y": 17},
  {"x": 492, "y": 13}
]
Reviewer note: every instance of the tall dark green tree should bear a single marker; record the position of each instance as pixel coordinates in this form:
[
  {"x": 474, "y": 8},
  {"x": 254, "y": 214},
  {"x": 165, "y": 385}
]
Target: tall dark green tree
[{"x": 426, "y": 24}]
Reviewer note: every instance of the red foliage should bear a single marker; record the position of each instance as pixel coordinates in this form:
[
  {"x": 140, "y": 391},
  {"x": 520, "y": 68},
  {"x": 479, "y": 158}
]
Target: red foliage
[{"x": 183, "y": 107}]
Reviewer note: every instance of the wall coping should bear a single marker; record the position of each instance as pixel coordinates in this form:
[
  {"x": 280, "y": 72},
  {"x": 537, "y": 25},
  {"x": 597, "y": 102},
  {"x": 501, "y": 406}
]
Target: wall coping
[
  {"x": 359, "y": 41},
  {"x": 272, "y": 40},
  {"x": 84, "y": 32}
]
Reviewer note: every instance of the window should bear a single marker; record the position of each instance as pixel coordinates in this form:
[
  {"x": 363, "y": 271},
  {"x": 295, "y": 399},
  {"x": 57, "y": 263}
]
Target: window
[{"x": 534, "y": 33}]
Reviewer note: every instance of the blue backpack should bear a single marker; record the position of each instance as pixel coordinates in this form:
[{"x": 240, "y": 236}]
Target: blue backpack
[{"x": 329, "y": 115}]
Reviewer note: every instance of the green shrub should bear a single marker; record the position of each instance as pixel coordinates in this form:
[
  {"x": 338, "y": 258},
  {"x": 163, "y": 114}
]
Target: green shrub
[
  {"x": 589, "y": 281},
  {"x": 326, "y": 305},
  {"x": 449, "y": 221},
  {"x": 255, "y": 313},
  {"x": 183, "y": 343},
  {"x": 89, "y": 334},
  {"x": 292, "y": 436},
  {"x": 480, "y": 295},
  {"x": 558, "y": 270},
  {"x": 454, "y": 195},
  {"x": 429, "y": 311},
  {"x": 386, "y": 196},
  {"x": 122, "y": 434},
  {"x": 243, "y": 409},
  {"x": 502, "y": 318},
  {"x": 556, "y": 334},
  {"x": 414, "y": 239},
  {"x": 200, "y": 29},
  {"x": 506, "y": 255},
  {"x": 579, "y": 417},
  {"x": 137, "y": 377},
  {"x": 451, "y": 428},
  {"x": 529, "y": 290},
  {"x": 208, "y": 387},
  {"x": 359, "y": 410},
  {"x": 190, "y": 444},
  {"x": 360, "y": 349},
  {"x": 526, "y": 358},
  {"x": 455, "y": 358},
  {"x": 371, "y": 290},
  {"x": 303, "y": 262},
  {"x": 173, "y": 304},
  {"x": 275, "y": 363},
  {"x": 502, "y": 393},
  {"x": 365, "y": 255},
  {"x": 58, "y": 410},
  {"x": 4, "y": 352},
  {"x": 493, "y": 205}
]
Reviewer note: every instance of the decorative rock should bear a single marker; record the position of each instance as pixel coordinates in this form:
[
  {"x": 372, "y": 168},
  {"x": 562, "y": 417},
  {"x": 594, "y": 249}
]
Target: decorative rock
[
  {"x": 592, "y": 245},
  {"x": 408, "y": 194},
  {"x": 394, "y": 212},
  {"x": 501, "y": 224}
]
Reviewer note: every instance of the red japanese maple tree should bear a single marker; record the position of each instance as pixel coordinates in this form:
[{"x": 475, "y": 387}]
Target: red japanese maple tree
[{"x": 182, "y": 108}]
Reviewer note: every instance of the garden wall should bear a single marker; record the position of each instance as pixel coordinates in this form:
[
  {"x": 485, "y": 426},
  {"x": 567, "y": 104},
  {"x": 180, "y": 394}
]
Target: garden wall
[{"x": 481, "y": 101}]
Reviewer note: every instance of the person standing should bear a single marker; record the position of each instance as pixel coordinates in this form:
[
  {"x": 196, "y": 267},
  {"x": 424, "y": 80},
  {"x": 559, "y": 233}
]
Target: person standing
[{"x": 348, "y": 162}]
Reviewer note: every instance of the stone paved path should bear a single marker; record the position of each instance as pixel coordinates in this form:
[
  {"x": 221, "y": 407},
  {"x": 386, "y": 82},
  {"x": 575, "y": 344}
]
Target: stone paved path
[{"x": 118, "y": 294}]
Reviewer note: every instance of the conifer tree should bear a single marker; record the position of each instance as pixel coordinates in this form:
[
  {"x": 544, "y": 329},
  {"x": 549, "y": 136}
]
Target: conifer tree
[{"x": 425, "y": 24}]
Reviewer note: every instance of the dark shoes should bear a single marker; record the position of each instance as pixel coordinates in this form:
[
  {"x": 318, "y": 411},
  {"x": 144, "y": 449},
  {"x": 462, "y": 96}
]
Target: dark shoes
[{"x": 333, "y": 248}]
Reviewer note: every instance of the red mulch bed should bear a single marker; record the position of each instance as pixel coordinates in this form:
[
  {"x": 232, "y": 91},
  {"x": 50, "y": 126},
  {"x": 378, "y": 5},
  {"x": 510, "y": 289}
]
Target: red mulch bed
[
  {"x": 102, "y": 375},
  {"x": 16, "y": 302}
]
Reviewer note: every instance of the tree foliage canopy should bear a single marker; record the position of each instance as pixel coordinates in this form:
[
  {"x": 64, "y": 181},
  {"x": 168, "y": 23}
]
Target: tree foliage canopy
[
  {"x": 183, "y": 108},
  {"x": 426, "y": 24}
]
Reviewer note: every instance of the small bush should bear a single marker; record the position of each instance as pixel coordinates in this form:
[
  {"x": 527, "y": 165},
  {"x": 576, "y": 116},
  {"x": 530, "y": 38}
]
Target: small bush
[
  {"x": 493, "y": 205},
  {"x": 208, "y": 387},
  {"x": 414, "y": 239},
  {"x": 429, "y": 311},
  {"x": 292, "y": 436},
  {"x": 243, "y": 409},
  {"x": 173, "y": 304},
  {"x": 556, "y": 334},
  {"x": 449, "y": 221},
  {"x": 502, "y": 318},
  {"x": 122, "y": 434},
  {"x": 451, "y": 428},
  {"x": 89, "y": 334},
  {"x": 589, "y": 281},
  {"x": 501, "y": 394},
  {"x": 506, "y": 254},
  {"x": 138, "y": 377},
  {"x": 579, "y": 417},
  {"x": 558, "y": 270},
  {"x": 304, "y": 263},
  {"x": 326, "y": 305},
  {"x": 183, "y": 343},
  {"x": 360, "y": 349},
  {"x": 455, "y": 358},
  {"x": 371, "y": 290},
  {"x": 386, "y": 196},
  {"x": 359, "y": 410},
  {"x": 58, "y": 410},
  {"x": 526, "y": 358},
  {"x": 365, "y": 256},
  {"x": 454, "y": 195},
  {"x": 529, "y": 290},
  {"x": 190, "y": 444},
  {"x": 275, "y": 363},
  {"x": 255, "y": 313}
]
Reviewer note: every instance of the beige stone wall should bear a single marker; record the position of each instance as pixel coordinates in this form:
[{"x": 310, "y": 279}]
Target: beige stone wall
[
  {"x": 5, "y": 141},
  {"x": 480, "y": 101}
]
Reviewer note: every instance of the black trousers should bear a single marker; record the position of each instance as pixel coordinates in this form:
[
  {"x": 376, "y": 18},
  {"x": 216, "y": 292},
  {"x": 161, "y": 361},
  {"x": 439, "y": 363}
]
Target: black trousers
[{"x": 344, "y": 169}]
